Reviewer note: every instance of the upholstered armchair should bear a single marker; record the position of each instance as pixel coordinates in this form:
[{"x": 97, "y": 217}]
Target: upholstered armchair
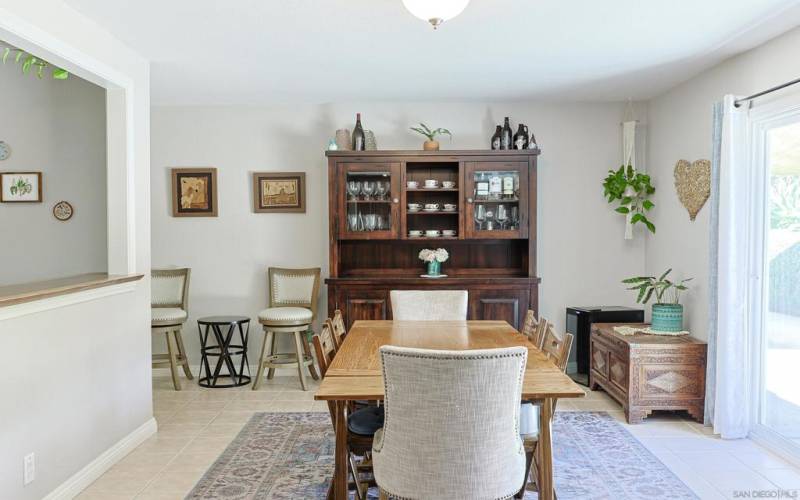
[
  {"x": 169, "y": 307},
  {"x": 292, "y": 309},
  {"x": 451, "y": 428},
  {"x": 429, "y": 305}
]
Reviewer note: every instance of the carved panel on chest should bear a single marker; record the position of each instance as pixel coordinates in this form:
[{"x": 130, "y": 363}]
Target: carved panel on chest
[{"x": 648, "y": 372}]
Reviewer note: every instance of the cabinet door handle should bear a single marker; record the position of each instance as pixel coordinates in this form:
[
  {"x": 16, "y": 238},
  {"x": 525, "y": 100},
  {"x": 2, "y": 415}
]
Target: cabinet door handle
[
  {"x": 469, "y": 200},
  {"x": 395, "y": 200}
]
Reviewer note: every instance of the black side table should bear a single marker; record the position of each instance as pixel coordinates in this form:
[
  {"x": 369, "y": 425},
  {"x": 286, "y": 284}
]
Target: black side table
[{"x": 223, "y": 350}]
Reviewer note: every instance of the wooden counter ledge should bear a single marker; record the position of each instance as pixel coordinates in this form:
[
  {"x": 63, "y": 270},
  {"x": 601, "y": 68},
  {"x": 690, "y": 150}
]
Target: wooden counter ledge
[{"x": 28, "y": 292}]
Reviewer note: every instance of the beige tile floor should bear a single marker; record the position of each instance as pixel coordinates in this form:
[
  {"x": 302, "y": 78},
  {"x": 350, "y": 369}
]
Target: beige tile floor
[{"x": 196, "y": 424}]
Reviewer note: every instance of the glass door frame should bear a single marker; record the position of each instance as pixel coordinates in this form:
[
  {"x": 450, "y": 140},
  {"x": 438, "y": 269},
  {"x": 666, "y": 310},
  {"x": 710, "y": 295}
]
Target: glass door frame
[
  {"x": 393, "y": 171},
  {"x": 762, "y": 119},
  {"x": 469, "y": 202}
]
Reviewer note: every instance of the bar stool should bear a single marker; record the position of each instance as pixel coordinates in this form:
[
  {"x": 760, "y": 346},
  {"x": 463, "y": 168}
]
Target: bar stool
[
  {"x": 292, "y": 309},
  {"x": 169, "y": 308}
]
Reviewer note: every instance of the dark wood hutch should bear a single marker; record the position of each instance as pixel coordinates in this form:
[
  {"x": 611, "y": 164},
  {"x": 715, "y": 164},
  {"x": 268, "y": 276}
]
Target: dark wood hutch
[{"x": 492, "y": 250}]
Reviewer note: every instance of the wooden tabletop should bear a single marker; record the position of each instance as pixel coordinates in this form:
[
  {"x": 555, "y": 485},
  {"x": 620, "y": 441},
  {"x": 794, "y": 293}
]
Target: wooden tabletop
[
  {"x": 355, "y": 372},
  {"x": 643, "y": 338}
]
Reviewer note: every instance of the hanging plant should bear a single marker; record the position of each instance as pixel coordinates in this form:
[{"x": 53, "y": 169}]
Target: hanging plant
[
  {"x": 632, "y": 190},
  {"x": 30, "y": 62}
]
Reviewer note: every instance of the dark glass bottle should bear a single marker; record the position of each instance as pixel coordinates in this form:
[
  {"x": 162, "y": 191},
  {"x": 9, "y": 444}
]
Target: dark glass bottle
[
  {"x": 496, "y": 137},
  {"x": 359, "y": 140},
  {"x": 521, "y": 138},
  {"x": 506, "y": 136}
]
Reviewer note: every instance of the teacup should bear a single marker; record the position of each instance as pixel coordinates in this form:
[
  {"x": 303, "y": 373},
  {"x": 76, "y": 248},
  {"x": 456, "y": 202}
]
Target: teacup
[
  {"x": 412, "y": 184},
  {"x": 449, "y": 232},
  {"x": 448, "y": 184},
  {"x": 413, "y": 207},
  {"x": 450, "y": 207},
  {"x": 432, "y": 233},
  {"x": 431, "y": 183},
  {"x": 415, "y": 233},
  {"x": 431, "y": 206}
]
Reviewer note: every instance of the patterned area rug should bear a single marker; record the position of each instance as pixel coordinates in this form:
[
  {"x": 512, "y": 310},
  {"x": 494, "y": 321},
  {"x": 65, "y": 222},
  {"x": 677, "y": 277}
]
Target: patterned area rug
[{"x": 281, "y": 456}]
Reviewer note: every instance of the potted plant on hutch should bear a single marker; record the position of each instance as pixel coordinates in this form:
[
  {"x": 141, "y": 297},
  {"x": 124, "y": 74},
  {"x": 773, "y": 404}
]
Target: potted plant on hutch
[
  {"x": 431, "y": 144},
  {"x": 434, "y": 259},
  {"x": 667, "y": 311}
]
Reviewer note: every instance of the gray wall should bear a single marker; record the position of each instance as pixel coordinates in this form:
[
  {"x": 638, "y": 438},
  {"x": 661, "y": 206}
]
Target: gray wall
[
  {"x": 57, "y": 128},
  {"x": 582, "y": 253}
]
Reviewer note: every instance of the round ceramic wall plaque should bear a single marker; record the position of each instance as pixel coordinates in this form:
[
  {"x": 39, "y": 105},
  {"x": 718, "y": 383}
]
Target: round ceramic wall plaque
[{"x": 63, "y": 211}]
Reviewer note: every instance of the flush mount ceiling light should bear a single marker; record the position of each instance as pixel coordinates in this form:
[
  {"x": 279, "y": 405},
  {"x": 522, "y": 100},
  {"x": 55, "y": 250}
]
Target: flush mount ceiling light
[{"x": 436, "y": 11}]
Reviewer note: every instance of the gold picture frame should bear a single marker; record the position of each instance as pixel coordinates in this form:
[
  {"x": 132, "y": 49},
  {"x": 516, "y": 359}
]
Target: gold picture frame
[
  {"x": 279, "y": 192},
  {"x": 194, "y": 192}
]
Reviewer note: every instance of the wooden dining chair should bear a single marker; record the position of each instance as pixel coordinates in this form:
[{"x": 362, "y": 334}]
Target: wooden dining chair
[
  {"x": 429, "y": 305},
  {"x": 361, "y": 423},
  {"x": 437, "y": 450},
  {"x": 337, "y": 327},
  {"x": 534, "y": 328},
  {"x": 557, "y": 348}
]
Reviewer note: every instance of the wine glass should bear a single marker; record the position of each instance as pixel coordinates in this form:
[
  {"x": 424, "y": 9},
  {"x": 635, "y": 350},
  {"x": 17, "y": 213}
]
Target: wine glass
[
  {"x": 370, "y": 222},
  {"x": 368, "y": 189},
  {"x": 489, "y": 220},
  {"x": 353, "y": 188},
  {"x": 381, "y": 188},
  {"x": 514, "y": 217},
  {"x": 480, "y": 216},
  {"x": 352, "y": 221},
  {"x": 502, "y": 216}
]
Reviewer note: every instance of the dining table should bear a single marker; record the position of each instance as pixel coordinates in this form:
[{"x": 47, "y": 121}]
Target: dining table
[{"x": 355, "y": 374}]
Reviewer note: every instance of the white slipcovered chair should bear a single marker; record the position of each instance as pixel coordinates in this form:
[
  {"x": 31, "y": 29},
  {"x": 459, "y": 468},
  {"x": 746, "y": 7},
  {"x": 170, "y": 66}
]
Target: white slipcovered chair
[
  {"x": 429, "y": 305},
  {"x": 451, "y": 428},
  {"x": 292, "y": 309},
  {"x": 169, "y": 307}
]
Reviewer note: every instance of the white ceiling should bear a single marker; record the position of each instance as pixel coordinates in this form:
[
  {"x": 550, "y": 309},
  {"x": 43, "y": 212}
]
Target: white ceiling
[{"x": 263, "y": 51}]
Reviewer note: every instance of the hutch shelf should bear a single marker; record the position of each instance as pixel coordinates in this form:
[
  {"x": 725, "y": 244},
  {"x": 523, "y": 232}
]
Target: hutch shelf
[{"x": 381, "y": 214}]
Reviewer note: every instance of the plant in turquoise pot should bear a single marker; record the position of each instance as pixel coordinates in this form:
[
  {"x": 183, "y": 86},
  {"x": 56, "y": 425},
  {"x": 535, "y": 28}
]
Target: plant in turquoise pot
[{"x": 667, "y": 311}]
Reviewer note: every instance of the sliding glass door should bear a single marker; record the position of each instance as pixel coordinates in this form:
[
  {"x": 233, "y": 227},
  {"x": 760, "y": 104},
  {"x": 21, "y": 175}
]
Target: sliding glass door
[{"x": 777, "y": 324}]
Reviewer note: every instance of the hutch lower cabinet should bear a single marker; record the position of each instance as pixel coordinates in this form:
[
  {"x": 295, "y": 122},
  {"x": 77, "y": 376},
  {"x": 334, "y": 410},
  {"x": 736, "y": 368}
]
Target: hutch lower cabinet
[{"x": 387, "y": 206}]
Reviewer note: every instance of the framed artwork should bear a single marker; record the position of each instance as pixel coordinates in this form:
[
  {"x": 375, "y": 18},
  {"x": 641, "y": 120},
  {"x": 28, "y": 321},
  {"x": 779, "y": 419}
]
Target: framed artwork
[
  {"x": 279, "y": 192},
  {"x": 194, "y": 192},
  {"x": 21, "y": 187}
]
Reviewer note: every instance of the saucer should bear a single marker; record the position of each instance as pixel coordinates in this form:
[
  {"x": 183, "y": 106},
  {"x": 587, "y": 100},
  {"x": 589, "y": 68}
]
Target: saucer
[
  {"x": 430, "y": 209},
  {"x": 433, "y": 276}
]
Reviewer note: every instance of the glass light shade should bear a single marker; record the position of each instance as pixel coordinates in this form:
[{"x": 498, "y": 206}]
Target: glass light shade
[{"x": 436, "y": 11}]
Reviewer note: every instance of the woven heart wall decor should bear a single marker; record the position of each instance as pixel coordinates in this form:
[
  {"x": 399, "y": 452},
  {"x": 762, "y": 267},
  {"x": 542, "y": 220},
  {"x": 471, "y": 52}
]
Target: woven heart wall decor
[{"x": 693, "y": 183}]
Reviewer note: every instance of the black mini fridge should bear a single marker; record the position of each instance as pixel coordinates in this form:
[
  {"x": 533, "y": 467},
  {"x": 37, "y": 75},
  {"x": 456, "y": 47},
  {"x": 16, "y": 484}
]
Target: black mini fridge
[{"x": 579, "y": 323}]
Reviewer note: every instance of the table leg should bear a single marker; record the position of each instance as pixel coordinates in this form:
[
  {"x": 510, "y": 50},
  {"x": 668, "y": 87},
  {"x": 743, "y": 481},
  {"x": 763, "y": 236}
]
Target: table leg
[
  {"x": 340, "y": 469},
  {"x": 545, "y": 451}
]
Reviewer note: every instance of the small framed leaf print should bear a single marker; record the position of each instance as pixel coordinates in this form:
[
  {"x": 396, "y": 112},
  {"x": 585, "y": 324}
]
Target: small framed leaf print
[{"x": 21, "y": 187}]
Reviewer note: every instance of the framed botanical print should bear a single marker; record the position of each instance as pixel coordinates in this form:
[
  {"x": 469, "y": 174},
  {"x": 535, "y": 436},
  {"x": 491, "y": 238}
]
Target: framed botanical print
[
  {"x": 194, "y": 192},
  {"x": 21, "y": 187},
  {"x": 279, "y": 192}
]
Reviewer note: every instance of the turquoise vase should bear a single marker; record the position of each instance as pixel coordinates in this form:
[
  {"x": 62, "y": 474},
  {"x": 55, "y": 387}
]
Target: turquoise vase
[
  {"x": 434, "y": 268},
  {"x": 667, "y": 318}
]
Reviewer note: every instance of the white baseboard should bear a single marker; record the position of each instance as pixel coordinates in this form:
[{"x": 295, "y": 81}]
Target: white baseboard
[{"x": 86, "y": 476}]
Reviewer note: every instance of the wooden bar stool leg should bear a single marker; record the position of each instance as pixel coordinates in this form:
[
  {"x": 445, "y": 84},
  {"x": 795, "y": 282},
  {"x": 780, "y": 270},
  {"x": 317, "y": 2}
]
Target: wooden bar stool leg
[
  {"x": 182, "y": 355},
  {"x": 298, "y": 345},
  {"x": 272, "y": 343},
  {"x": 267, "y": 340},
  {"x": 172, "y": 348}
]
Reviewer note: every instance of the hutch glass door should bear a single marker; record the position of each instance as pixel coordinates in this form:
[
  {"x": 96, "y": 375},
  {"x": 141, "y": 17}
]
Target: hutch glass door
[
  {"x": 369, "y": 200},
  {"x": 497, "y": 200}
]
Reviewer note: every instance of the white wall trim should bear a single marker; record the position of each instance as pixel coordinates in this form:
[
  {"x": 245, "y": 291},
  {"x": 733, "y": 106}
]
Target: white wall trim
[
  {"x": 94, "y": 469},
  {"x": 48, "y": 304}
]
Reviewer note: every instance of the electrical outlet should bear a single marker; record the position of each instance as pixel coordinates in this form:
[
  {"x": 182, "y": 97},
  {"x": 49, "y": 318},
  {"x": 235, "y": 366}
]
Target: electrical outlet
[{"x": 29, "y": 468}]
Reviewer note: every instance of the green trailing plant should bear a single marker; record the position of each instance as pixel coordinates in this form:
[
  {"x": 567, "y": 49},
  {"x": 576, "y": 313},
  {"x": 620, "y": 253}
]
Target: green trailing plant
[
  {"x": 431, "y": 133},
  {"x": 30, "y": 63},
  {"x": 634, "y": 200},
  {"x": 662, "y": 288}
]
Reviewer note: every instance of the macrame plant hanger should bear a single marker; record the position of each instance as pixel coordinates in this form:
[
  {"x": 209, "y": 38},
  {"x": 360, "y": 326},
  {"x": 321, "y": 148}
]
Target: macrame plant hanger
[{"x": 629, "y": 158}]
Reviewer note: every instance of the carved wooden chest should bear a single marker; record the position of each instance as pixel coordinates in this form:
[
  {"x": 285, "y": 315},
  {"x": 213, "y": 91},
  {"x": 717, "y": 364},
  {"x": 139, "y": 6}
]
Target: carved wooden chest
[{"x": 648, "y": 372}]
